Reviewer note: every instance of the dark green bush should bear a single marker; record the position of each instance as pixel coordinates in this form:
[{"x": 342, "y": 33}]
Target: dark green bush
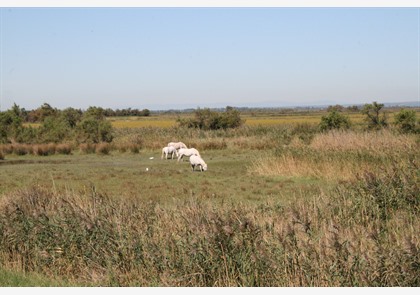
[
  {"x": 374, "y": 118},
  {"x": 406, "y": 122},
  {"x": 210, "y": 120},
  {"x": 92, "y": 130},
  {"x": 334, "y": 120}
]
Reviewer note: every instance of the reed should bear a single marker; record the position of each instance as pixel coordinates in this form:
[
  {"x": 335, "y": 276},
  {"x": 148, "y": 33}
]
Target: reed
[{"x": 336, "y": 156}]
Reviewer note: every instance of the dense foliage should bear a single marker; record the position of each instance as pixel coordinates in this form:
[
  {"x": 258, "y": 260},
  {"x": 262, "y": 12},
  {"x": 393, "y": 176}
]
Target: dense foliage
[
  {"x": 68, "y": 125},
  {"x": 210, "y": 120},
  {"x": 406, "y": 121},
  {"x": 334, "y": 120},
  {"x": 375, "y": 117}
]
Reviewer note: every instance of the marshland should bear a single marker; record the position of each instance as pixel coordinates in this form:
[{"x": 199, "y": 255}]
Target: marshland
[{"x": 325, "y": 197}]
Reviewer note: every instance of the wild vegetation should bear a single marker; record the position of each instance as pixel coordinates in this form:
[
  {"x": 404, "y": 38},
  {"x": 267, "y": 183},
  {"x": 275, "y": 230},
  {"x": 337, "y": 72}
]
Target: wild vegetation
[{"x": 280, "y": 205}]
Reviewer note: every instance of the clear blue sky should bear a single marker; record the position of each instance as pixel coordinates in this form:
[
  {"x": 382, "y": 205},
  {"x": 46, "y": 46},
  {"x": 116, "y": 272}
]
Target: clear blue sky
[{"x": 163, "y": 58}]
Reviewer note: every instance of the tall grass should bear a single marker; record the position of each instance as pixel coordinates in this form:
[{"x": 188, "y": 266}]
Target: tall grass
[
  {"x": 364, "y": 234},
  {"x": 336, "y": 155},
  {"x": 383, "y": 140}
]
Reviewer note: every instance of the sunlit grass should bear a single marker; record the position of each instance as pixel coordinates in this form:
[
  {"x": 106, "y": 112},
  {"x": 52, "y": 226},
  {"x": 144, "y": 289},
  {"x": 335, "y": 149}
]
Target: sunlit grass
[
  {"x": 33, "y": 125},
  {"x": 143, "y": 123}
]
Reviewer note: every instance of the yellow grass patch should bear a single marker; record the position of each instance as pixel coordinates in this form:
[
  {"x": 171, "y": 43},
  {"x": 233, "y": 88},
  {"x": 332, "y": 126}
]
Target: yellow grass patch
[
  {"x": 291, "y": 166},
  {"x": 143, "y": 123},
  {"x": 383, "y": 140},
  {"x": 33, "y": 125}
]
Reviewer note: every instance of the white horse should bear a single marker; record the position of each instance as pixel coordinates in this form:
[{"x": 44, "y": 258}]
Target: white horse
[
  {"x": 178, "y": 145},
  {"x": 198, "y": 161},
  {"x": 187, "y": 152},
  {"x": 169, "y": 150}
]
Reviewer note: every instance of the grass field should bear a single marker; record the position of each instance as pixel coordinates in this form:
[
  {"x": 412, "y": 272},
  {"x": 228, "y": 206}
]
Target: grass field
[
  {"x": 280, "y": 205},
  {"x": 251, "y": 119}
]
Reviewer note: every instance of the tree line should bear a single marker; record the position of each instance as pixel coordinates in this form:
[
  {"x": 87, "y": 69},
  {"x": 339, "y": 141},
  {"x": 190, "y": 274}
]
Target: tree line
[
  {"x": 37, "y": 115},
  {"x": 55, "y": 125},
  {"x": 91, "y": 126}
]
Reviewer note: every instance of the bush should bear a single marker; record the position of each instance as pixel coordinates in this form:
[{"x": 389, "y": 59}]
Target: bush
[
  {"x": 209, "y": 120},
  {"x": 334, "y": 120},
  {"x": 92, "y": 130},
  {"x": 373, "y": 115},
  {"x": 405, "y": 120}
]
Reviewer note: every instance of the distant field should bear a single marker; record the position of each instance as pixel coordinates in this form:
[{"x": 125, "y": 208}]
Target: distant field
[
  {"x": 250, "y": 120},
  {"x": 263, "y": 118}
]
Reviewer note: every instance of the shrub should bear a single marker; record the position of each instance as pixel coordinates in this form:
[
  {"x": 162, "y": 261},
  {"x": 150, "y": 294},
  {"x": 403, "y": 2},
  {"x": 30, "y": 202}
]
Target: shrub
[
  {"x": 209, "y": 120},
  {"x": 405, "y": 120},
  {"x": 373, "y": 115},
  {"x": 334, "y": 120},
  {"x": 92, "y": 130},
  {"x": 10, "y": 124}
]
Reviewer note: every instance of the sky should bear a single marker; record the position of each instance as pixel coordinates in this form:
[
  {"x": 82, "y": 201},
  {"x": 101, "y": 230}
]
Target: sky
[{"x": 196, "y": 57}]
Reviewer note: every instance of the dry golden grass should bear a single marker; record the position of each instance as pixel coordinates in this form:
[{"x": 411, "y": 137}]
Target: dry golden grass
[
  {"x": 292, "y": 166},
  {"x": 371, "y": 141},
  {"x": 337, "y": 155},
  {"x": 143, "y": 123},
  {"x": 281, "y": 120}
]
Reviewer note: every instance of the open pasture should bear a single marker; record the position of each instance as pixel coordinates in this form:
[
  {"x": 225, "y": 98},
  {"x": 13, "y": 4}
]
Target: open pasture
[{"x": 146, "y": 176}]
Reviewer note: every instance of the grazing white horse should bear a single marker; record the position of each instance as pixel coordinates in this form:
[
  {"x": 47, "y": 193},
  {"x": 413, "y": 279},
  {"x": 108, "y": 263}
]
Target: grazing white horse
[
  {"x": 169, "y": 150},
  {"x": 198, "y": 161},
  {"x": 187, "y": 152},
  {"x": 178, "y": 145}
]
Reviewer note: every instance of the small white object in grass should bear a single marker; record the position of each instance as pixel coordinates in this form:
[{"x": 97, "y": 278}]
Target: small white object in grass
[
  {"x": 151, "y": 158},
  {"x": 147, "y": 169}
]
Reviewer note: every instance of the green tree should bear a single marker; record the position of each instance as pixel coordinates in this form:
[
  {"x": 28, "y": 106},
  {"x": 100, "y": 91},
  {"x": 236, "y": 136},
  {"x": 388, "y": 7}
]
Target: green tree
[
  {"x": 337, "y": 107},
  {"x": 406, "y": 121},
  {"x": 334, "y": 120},
  {"x": 11, "y": 124},
  {"x": 231, "y": 118},
  {"x": 373, "y": 115},
  {"x": 95, "y": 112},
  {"x": 94, "y": 128},
  {"x": 71, "y": 116},
  {"x": 55, "y": 129},
  {"x": 145, "y": 112},
  {"x": 209, "y": 120}
]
